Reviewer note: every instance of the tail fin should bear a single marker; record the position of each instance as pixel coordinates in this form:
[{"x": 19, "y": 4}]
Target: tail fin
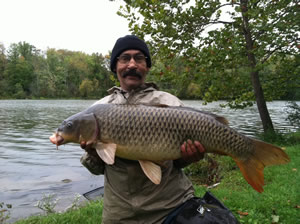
[{"x": 264, "y": 155}]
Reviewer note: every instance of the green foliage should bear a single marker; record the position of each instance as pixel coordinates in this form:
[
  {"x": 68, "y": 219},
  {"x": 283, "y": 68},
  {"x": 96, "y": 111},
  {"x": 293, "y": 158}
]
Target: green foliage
[
  {"x": 281, "y": 72},
  {"x": 27, "y": 73},
  {"x": 210, "y": 170},
  {"x": 227, "y": 57},
  {"x": 19, "y": 70},
  {"x": 280, "y": 139},
  {"x": 216, "y": 58},
  {"x": 4, "y": 212},
  {"x": 199, "y": 51},
  {"x": 3, "y": 61},
  {"x": 89, "y": 214},
  {"x": 48, "y": 203},
  {"x": 19, "y": 92},
  {"x": 88, "y": 88},
  {"x": 293, "y": 111}
]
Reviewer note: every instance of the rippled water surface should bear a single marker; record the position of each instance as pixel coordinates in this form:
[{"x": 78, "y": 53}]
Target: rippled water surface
[
  {"x": 30, "y": 165},
  {"x": 247, "y": 121}
]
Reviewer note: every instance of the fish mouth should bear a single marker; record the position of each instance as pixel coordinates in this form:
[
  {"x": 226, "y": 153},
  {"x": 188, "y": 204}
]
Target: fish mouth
[{"x": 56, "y": 139}]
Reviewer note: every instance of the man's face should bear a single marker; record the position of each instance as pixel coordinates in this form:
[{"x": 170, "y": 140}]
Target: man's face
[{"x": 131, "y": 69}]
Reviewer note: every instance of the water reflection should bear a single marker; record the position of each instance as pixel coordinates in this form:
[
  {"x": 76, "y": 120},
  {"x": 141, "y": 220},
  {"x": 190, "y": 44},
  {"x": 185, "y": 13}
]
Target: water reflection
[{"x": 31, "y": 166}]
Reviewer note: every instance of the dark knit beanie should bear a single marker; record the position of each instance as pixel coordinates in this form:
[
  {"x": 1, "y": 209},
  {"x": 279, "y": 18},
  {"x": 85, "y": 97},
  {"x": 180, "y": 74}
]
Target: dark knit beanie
[{"x": 129, "y": 42}]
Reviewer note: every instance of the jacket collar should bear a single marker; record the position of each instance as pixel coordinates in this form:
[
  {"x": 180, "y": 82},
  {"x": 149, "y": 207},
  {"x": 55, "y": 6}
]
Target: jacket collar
[{"x": 147, "y": 87}]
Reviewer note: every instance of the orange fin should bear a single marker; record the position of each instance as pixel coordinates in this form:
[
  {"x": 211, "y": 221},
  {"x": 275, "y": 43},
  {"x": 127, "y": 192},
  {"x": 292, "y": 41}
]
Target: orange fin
[
  {"x": 264, "y": 154},
  {"x": 151, "y": 170},
  {"x": 107, "y": 152},
  {"x": 252, "y": 171},
  {"x": 221, "y": 119}
]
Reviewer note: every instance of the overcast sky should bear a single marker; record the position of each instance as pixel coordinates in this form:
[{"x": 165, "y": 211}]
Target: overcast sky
[{"x": 78, "y": 25}]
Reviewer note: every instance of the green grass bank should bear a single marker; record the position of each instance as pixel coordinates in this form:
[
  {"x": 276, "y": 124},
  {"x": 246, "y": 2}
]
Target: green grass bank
[{"x": 279, "y": 203}]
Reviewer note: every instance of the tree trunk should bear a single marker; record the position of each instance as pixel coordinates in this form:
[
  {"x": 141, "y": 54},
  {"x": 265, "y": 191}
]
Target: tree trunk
[
  {"x": 261, "y": 103},
  {"x": 259, "y": 95}
]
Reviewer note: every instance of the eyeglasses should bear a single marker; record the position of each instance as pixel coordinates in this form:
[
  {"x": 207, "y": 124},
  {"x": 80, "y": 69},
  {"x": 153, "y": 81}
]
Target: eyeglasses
[{"x": 126, "y": 58}]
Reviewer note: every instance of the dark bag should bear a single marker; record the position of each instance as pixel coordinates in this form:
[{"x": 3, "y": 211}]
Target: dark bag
[{"x": 206, "y": 210}]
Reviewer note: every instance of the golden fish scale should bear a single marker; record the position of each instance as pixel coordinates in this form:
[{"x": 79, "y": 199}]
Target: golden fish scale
[{"x": 156, "y": 133}]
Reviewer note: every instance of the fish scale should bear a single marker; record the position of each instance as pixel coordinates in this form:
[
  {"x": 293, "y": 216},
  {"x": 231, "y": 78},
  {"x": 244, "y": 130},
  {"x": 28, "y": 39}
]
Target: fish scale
[
  {"x": 165, "y": 123},
  {"x": 155, "y": 133}
]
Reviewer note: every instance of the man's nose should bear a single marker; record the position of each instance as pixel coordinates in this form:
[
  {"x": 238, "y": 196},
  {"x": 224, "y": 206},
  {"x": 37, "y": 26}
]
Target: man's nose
[{"x": 132, "y": 63}]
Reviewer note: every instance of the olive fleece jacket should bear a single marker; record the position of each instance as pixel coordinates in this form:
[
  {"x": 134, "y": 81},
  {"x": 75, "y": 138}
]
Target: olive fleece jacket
[{"x": 129, "y": 196}]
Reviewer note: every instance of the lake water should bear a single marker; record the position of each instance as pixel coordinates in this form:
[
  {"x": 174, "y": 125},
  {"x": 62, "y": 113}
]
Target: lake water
[{"x": 30, "y": 166}]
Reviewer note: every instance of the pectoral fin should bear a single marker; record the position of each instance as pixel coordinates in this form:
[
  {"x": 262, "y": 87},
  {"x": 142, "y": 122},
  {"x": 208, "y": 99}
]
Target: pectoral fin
[
  {"x": 107, "y": 152},
  {"x": 151, "y": 170}
]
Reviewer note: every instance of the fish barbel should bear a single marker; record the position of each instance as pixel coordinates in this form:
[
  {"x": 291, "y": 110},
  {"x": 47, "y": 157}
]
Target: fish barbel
[{"x": 151, "y": 134}]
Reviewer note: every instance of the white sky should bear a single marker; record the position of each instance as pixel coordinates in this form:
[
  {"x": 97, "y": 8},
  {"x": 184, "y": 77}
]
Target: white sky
[{"x": 77, "y": 25}]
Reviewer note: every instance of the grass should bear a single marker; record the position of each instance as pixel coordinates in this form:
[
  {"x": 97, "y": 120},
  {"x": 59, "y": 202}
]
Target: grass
[
  {"x": 88, "y": 214},
  {"x": 279, "y": 203}
]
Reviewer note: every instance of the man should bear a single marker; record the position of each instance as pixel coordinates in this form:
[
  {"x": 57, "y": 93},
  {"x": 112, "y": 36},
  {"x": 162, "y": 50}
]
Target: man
[{"x": 129, "y": 196}]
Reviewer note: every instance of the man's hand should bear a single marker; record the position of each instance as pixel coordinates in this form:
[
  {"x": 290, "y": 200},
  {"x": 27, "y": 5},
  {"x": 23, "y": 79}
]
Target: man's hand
[
  {"x": 192, "y": 152},
  {"x": 91, "y": 160},
  {"x": 86, "y": 147}
]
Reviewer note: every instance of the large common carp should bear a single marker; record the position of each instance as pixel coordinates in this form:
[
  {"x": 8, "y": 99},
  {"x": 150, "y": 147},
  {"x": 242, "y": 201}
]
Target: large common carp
[{"x": 151, "y": 134}]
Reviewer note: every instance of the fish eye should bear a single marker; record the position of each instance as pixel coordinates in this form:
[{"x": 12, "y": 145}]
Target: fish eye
[{"x": 69, "y": 125}]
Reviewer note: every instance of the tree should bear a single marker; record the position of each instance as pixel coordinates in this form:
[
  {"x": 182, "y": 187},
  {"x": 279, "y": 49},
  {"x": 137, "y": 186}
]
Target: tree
[
  {"x": 226, "y": 44},
  {"x": 3, "y": 62},
  {"x": 20, "y": 70},
  {"x": 99, "y": 71},
  {"x": 77, "y": 69},
  {"x": 27, "y": 72},
  {"x": 56, "y": 74},
  {"x": 88, "y": 88}
]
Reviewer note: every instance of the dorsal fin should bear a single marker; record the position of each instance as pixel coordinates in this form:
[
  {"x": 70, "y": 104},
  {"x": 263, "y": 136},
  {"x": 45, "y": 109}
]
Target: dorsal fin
[
  {"x": 221, "y": 119},
  {"x": 155, "y": 105}
]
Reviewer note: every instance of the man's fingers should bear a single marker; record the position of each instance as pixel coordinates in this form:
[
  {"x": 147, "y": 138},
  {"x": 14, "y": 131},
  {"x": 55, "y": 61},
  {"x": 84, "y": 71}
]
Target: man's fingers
[
  {"x": 189, "y": 151},
  {"x": 192, "y": 151},
  {"x": 200, "y": 150},
  {"x": 199, "y": 147},
  {"x": 183, "y": 151}
]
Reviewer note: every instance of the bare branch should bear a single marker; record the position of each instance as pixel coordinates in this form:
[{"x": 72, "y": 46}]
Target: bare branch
[
  {"x": 223, "y": 22},
  {"x": 227, "y": 4},
  {"x": 270, "y": 54}
]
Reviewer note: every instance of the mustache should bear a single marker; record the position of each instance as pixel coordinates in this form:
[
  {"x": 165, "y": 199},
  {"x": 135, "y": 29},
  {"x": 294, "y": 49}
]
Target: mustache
[{"x": 132, "y": 73}]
